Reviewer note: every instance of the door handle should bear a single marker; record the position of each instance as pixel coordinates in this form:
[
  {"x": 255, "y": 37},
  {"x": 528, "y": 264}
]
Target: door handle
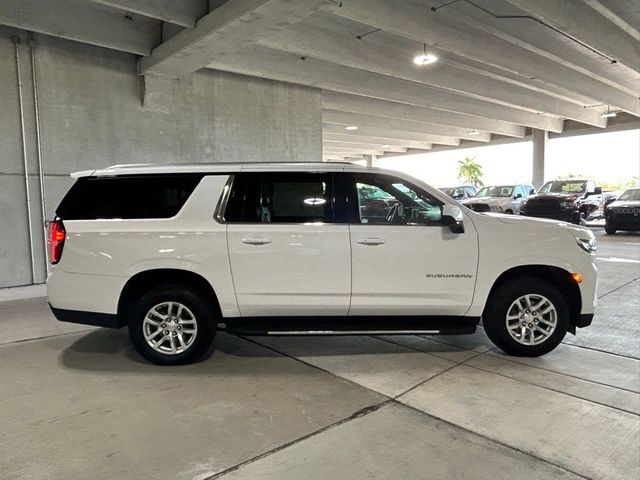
[
  {"x": 371, "y": 241},
  {"x": 256, "y": 240}
]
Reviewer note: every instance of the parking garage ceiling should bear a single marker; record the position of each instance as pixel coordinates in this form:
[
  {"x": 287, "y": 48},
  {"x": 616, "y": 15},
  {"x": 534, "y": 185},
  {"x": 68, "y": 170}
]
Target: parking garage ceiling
[{"x": 503, "y": 66}]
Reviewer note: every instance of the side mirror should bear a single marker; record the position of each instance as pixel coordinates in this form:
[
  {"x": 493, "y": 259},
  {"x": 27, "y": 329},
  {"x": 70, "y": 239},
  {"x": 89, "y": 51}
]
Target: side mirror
[
  {"x": 598, "y": 191},
  {"x": 518, "y": 195},
  {"x": 452, "y": 217},
  {"x": 532, "y": 191}
]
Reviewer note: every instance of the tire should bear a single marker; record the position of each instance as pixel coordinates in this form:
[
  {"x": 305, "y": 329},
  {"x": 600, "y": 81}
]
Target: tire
[
  {"x": 610, "y": 229},
  {"x": 194, "y": 322},
  {"x": 509, "y": 212},
  {"x": 503, "y": 302}
]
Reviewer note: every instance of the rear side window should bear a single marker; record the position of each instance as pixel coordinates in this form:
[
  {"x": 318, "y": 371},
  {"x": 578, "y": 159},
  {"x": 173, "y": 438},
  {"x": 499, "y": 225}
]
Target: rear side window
[
  {"x": 150, "y": 196},
  {"x": 281, "y": 198}
]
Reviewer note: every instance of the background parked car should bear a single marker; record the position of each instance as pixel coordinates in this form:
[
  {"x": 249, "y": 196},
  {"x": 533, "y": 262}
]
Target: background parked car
[
  {"x": 567, "y": 200},
  {"x": 459, "y": 193},
  {"x": 624, "y": 213},
  {"x": 500, "y": 198}
]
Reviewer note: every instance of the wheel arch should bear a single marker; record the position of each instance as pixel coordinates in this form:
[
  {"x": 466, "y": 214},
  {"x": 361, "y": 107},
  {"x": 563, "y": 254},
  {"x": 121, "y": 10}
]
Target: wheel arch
[
  {"x": 147, "y": 279},
  {"x": 558, "y": 277}
]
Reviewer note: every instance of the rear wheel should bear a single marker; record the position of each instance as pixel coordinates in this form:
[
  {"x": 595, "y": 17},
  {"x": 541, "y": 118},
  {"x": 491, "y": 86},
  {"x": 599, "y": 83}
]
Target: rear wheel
[
  {"x": 509, "y": 212},
  {"x": 527, "y": 317},
  {"x": 172, "y": 325}
]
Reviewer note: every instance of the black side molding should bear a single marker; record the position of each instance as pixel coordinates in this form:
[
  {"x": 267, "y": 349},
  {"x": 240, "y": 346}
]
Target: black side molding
[{"x": 95, "y": 319}]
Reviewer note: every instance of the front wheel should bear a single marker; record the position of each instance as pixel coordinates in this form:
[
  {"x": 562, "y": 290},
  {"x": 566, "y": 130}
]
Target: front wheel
[
  {"x": 527, "y": 317},
  {"x": 609, "y": 229},
  {"x": 172, "y": 325}
]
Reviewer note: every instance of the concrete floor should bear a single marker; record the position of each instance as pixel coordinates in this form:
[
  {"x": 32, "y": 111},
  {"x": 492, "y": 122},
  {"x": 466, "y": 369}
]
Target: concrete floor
[{"x": 78, "y": 403}]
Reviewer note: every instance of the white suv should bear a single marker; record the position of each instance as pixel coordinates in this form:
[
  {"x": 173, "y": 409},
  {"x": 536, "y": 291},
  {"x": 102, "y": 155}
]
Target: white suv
[{"x": 178, "y": 252}]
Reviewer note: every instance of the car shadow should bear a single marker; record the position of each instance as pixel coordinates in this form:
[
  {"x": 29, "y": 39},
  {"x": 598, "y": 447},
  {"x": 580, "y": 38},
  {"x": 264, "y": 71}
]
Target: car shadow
[{"x": 110, "y": 350}]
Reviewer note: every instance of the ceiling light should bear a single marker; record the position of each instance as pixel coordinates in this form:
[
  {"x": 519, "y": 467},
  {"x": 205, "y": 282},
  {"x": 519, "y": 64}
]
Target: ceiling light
[
  {"x": 385, "y": 146},
  {"x": 425, "y": 58},
  {"x": 351, "y": 127},
  {"x": 474, "y": 132},
  {"x": 608, "y": 113}
]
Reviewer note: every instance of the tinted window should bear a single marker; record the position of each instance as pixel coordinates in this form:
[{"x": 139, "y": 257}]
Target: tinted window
[
  {"x": 281, "y": 198},
  {"x": 151, "y": 196},
  {"x": 564, "y": 186},
  {"x": 392, "y": 201}
]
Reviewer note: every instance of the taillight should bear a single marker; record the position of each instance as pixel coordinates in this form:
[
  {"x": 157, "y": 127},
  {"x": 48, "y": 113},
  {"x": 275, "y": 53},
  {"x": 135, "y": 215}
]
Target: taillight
[{"x": 55, "y": 240}]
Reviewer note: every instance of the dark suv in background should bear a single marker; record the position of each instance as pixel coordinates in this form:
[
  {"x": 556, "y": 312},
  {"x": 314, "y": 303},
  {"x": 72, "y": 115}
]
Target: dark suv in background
[
  {"x": 566, "y": 200},
  {"x": 624, "y": 213}
]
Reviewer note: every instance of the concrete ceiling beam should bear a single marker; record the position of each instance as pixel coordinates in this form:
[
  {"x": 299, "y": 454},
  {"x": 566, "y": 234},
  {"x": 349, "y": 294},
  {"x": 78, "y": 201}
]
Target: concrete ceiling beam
[
  {"x": 391, "y": 134},
  {"x": 83, "y": 22},
  {"x": 224, "y": 30},
  {"x": 338, "y": 137},
  {"x": 184, "y": 13},
  {"x": 611, "y": 9},
  {"x": 348, "y": 118},
  {"x": 370, "y": 146},
  {"x": 276, "y": 65},
  {"x": 582, "y": 22},
  {"x": 372, "y": 106},
  {"x": 451, "y": 31},
  {"x": 383, "y": 55}
]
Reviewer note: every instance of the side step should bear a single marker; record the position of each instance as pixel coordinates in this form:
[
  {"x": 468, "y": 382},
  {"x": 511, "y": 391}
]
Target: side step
[{"x": 366, "y": 325}]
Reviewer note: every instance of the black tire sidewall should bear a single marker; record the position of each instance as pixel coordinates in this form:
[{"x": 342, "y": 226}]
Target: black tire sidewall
[
  {"x": 202, "y": 309},
  {"x": 609, "y": 229},
  {"x": 495, "y": 324}
]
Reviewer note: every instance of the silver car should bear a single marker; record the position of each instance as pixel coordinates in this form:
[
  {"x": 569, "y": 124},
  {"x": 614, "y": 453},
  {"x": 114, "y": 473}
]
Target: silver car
[{"x": 500, "y": 198}]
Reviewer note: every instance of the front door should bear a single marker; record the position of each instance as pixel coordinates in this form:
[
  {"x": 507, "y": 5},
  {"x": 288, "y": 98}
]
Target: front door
[
  {"x": 404, "y": 260},
  {"x": 288, "y": 256}
]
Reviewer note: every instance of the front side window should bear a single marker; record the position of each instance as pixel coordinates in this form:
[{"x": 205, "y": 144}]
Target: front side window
[
  {"x": 385, "y": 200},
  {"x": 281, "y": 198},
  {"x": 519, "y": 191}
]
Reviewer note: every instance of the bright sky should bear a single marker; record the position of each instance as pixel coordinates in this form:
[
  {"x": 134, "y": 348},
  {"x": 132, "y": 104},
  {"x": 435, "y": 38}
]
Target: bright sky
[{"x": 607, "y": 157}]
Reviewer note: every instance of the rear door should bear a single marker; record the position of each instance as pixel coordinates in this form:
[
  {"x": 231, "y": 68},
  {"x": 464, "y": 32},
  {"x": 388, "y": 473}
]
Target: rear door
[
  {"x": 404, "y": 260},
  {"x": 289, "y": 256}
]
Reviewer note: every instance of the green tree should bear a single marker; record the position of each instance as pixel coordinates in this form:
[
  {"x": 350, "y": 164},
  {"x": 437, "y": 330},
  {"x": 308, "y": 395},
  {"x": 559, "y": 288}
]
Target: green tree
[{"x": 470, "y": 171}]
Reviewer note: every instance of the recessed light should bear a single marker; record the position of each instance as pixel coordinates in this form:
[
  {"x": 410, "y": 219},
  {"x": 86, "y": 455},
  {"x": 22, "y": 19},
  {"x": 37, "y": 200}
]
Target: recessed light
[
  {"x": 425, "y": 58},
  {"x": 474, "y": 132},
  {"x": 351, "y": 127},
  {"x": 385, "y": 146}
]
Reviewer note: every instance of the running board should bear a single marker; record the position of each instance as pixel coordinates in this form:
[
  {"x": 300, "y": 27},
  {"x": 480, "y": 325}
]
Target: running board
[{"x": 370, "y": 325}]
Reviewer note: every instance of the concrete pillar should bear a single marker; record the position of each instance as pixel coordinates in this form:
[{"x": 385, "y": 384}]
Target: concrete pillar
[
  {"x": 370, "y": 159},
  {"x": 539, "y": 139}
]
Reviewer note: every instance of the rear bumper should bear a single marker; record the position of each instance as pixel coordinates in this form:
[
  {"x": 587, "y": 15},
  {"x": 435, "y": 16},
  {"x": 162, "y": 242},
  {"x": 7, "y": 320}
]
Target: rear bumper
[{"x": 95, "y": 319}]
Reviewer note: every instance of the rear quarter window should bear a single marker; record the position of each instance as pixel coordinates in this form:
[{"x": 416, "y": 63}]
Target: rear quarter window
[{"x": 151, "y": 196}]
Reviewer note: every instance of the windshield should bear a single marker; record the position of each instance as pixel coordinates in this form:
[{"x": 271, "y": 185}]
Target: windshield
[
  {"x": 499, "y": 191},
  {"x": 631, "y": 194},
  {"x": 564, "y": 186}
]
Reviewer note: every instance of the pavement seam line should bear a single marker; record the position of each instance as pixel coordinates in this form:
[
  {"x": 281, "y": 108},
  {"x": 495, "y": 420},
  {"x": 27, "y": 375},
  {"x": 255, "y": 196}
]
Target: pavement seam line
[
  {"x": 618, "y": 288},
  {"x": 555, "y": 390},
  {"x": 600, "y": 350},
  {"x": 359, "y": 414},
  {"x": 490, "y": 440},
  {"x": 534, "y": 384},
  {"x": 25, "y": 340}
]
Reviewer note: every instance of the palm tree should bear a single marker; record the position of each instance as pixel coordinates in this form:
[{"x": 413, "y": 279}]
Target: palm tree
[{"x": 470, "y": 172}]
